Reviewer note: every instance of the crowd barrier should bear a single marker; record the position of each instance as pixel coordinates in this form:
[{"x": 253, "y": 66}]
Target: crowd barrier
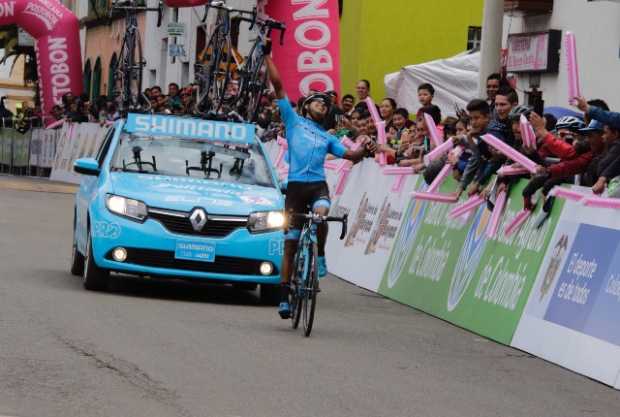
[
  {"x": 552, "y": 291},
  {"x": 49, "y": 152}
]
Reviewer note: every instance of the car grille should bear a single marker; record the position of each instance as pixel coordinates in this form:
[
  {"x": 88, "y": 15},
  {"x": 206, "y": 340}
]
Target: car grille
[
  {"x": 178, "y": 222},
  {"x": 166, "y": 259}
]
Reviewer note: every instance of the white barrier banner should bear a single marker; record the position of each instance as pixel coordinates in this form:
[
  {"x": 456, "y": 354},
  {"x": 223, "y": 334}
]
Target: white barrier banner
[
  {"x": 375, "y": 213},
  {"x": 43, "y": 147},
  {"x": 75, "y": 141},
  {"x": 572, "y": 317}
]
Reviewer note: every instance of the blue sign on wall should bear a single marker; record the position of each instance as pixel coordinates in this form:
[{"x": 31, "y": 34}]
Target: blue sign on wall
[{"x": 584, "y": 275}]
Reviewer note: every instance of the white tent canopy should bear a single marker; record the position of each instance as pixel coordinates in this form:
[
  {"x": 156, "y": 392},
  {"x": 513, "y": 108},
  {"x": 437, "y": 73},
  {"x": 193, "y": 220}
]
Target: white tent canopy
[{"x": 455, "y": 80}]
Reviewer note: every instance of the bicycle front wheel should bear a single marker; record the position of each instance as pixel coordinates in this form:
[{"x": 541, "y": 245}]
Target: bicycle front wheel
[
  {"x": 311, "y": 288},
  {"x": 296, "y": 286}
]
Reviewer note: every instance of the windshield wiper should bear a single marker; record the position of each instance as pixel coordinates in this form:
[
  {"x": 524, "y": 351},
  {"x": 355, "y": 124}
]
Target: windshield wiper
[{"x": 206, "y": 162}]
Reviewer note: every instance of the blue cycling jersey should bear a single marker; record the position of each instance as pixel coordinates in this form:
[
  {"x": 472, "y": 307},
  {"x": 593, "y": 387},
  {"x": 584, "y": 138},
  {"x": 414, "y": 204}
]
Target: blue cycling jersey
[{"x": 308, "y": 144}]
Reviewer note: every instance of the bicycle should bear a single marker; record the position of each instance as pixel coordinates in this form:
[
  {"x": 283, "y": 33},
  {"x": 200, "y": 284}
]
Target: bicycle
[
  {"x": 127, "y": 87},
  {"x": 253, "y": 83},
  {"x": 305, "y": 280},
  {"x": 214, "y": 77}
]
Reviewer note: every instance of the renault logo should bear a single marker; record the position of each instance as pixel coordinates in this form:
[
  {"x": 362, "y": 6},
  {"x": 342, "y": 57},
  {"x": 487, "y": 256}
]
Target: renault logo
[{"x": 198, "y": 219}]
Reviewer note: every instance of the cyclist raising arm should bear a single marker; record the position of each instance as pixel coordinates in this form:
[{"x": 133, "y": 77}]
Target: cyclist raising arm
[{"x": 308, "y": 144}]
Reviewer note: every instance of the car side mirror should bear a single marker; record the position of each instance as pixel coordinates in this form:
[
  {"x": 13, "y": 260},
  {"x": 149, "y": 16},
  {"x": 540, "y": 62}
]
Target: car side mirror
[
  {"x": 283, "y": 188},
  {"x": 87, "y": 166}
]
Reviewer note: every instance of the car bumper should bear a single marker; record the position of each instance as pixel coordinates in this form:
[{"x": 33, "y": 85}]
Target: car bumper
[{"x": 151, "y": 251}]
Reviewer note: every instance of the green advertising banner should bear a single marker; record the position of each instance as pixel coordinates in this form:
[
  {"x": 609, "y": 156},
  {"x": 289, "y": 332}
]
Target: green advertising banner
[{"x": 450, "y": 269}]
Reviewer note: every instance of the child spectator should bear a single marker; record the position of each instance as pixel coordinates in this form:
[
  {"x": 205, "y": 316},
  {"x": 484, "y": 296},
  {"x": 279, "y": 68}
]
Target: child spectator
[{"x": 426, "y": 92}]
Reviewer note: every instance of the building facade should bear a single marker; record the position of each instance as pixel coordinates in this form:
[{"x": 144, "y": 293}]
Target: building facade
[
  {"x": 379, "y": 37},
  {"x": 596, "y": 28}
]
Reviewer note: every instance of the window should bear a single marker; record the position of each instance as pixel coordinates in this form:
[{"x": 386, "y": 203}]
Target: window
[
  {"x": 112, "y": 70},
  {"x": 96, "y": 92},
  {"x": 474, "y": 37},
  {"x": 105, "y": 146},
  {"x": 87, "y": 77}
]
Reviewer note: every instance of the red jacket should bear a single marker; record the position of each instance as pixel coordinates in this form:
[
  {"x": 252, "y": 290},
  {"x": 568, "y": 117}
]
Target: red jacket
[
  {"x": 556, "y": 148},
  {"x": 571, "y": 167}
]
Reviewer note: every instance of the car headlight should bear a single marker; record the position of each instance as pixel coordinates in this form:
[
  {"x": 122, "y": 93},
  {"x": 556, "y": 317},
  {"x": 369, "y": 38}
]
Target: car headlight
[
  {"x": 126, "y": 207},
  {"x": 266, "y": 220}
]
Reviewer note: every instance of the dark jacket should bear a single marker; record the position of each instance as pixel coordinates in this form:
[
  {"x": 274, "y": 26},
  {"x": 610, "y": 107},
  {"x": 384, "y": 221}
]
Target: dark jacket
[
  {"x": 606, "y": 117},
  {"x": 609, "y": 165}
]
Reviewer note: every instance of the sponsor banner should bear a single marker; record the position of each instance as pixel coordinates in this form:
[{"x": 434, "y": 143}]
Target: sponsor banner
[
  {"x": 183, "y": 127},
  {"x": 43, "y": 147},
  {"x": 375, "y": 213},
  {"x": 451, "y": 269},
  {"x": 309, "y": 59},
  {"x": 76, "y": 140},
  {"x": 571, "y": 317}
]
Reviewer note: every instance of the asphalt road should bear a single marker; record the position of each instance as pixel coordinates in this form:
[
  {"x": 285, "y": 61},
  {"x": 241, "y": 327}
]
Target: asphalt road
[{"x": 177, "y": 349}]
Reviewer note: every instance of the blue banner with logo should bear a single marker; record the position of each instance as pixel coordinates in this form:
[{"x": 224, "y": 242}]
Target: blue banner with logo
[{"x": 190, "y": 128}]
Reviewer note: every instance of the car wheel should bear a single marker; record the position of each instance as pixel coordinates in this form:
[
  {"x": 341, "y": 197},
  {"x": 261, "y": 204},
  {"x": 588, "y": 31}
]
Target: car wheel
[
  {"x": 93, "y": 277},
  {"x": 77, "y": 259},
  {"x": 269, "y": 294}
]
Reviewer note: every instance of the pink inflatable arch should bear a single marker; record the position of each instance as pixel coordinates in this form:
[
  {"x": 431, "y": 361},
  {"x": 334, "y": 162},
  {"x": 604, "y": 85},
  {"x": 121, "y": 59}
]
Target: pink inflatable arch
[{"x": 57, "y": 44}]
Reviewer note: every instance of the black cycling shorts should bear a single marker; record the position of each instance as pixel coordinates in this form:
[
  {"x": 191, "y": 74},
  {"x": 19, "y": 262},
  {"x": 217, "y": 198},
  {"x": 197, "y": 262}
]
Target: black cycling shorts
[{"x": 302, "y": 197}]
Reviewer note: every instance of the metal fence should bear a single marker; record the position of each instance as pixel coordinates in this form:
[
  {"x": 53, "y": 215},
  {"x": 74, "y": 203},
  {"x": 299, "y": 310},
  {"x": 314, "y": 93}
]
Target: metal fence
[{"x": 31, "y": 153}]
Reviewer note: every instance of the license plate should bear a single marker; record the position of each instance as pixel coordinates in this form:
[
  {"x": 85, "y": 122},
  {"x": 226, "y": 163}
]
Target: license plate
[{"x": 194, "y": 251}]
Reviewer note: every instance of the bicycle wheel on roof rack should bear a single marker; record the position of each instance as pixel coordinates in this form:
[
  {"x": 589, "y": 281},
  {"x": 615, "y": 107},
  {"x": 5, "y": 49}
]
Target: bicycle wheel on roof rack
[
  {"x": 256, "y": 87},
  {"x": 213, "y": 80},
  {"x": 136, "y": 97}
]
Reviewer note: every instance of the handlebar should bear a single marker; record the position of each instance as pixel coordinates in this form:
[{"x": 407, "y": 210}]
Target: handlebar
[{"x": 318, "y": 219}]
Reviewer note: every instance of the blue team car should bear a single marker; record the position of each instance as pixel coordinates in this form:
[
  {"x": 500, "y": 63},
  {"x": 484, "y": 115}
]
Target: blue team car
[{"x": 178, "y": 197}]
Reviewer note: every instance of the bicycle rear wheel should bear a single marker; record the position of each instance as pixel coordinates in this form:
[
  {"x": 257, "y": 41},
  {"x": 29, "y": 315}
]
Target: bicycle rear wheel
[
  {"x": 311, "y": 287},
  {"x": 257, "y": 87}
]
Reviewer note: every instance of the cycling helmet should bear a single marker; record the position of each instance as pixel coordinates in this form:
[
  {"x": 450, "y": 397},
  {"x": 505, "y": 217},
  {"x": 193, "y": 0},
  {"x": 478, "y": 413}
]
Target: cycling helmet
[
  {"x": 571, "y": 123},
  {"x": 515, "y": 113},
  {"x": 325, "y": 98}
]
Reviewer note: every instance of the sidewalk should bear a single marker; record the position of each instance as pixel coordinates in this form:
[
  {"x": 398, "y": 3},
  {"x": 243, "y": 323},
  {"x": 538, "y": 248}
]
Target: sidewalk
[{"x": 9, "y": 182}]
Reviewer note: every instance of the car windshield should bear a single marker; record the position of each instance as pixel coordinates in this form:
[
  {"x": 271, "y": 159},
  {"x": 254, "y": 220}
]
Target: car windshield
[{"x": 164, "y": 155}]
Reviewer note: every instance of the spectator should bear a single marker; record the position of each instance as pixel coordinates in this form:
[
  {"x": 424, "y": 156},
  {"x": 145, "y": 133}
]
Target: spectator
[
  {"x": 493, "y": 85},
  {"x": 330, "y": 121},
  {"x": 347, "y": 104},
  {"x": 386, "y": 110},
  {"x": 594, "y": 135},
  {"x": 482, "y": 162},
  {"x": 57, "y": 112},
  {"x": 551, "y": 121},
  {"x": 426, "y": 92},
  {"x": 433, "y": 111},
  {"x": 155, "y": 92},
  {"x": 174, "y": 99},
  {"x": 500, "y": 125},
  {"x": 609, "y": 166},
  {"x": 362, "y": 88},
  {"x": 187, "y": 100},
  {"x": 549, "y": 174}
]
